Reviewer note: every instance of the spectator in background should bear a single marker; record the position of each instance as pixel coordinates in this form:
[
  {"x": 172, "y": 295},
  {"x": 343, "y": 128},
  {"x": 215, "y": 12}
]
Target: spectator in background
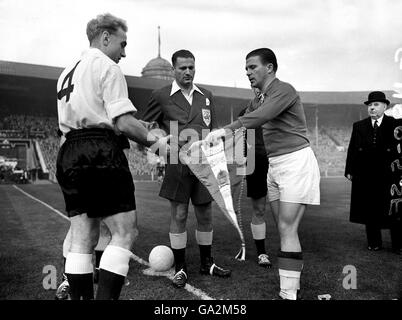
[{"x": 371, "y": 150}]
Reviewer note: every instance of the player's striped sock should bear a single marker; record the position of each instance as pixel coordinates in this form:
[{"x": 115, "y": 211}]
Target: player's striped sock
[
  {"x": 258, "y": 231},
  {"x": 204, "y": 240},
  {"x": 178, "y": 243},
  {"x": 113, "y": 266},
  {"x": 79, "y": 270},
  {"x": 290, "y": 266}
]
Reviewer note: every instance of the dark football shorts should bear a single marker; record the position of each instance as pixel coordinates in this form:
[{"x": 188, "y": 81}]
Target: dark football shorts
[
  {"x": 257, "y": 181},
  {"x": 181, "y": 185},
  {"x": 94, "y": 175}
]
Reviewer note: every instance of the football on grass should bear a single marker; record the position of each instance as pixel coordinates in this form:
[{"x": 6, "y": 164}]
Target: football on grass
[{"x": 161, "y": 258}]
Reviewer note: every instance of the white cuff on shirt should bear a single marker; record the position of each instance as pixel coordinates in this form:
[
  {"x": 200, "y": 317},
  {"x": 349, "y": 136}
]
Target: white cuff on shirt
[{"x": 119, "y": 107}]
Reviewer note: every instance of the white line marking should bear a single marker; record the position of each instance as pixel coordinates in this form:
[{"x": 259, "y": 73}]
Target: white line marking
[
  {"x": 168, "y": 274},
  {"x": 41, "y": 202}
]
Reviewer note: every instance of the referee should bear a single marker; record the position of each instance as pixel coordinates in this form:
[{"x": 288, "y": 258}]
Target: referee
[{"x": 92, "y": 169}]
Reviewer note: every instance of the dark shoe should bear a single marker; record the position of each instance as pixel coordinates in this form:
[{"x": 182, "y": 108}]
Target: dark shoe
[
  {"x": 376, "y": 248},
  {"x": 210, "y": 268},
  {"x": 180, "y": 279},
  {"x": 298, "y": 296},
  {"x": 263, "y": 261},
  {"x": 280, "y": 297}
]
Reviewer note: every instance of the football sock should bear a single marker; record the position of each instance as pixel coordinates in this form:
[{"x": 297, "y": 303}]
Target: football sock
[
  {"x": 113, "y": 269},
  {"x": 67, "y": 244},
  {"x": 98, "y": 256},
  {"x": 178, "y": 243},
  {"x": 66, "y": 249},
  {"x": 79, "y": 270},
  {"x": 259, "y": 231},
  {"x": 290, "y": 266},
  {"x": 204, "y": 240}
]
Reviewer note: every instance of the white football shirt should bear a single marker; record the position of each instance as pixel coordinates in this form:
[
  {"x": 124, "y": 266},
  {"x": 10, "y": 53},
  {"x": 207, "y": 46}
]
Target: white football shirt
[{"x": 92, "y": 93}]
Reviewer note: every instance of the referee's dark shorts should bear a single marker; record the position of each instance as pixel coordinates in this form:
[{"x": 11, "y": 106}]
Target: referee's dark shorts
[
  {"x": 180, "y": 185},
  {"x": 93, "y": 173},
  {"x": 257, "y": 181}
]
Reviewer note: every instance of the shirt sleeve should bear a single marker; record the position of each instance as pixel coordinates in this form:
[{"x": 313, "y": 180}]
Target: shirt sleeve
[
  {"x": 273, "y": 105},
  {"x": 115, "y": 93}
]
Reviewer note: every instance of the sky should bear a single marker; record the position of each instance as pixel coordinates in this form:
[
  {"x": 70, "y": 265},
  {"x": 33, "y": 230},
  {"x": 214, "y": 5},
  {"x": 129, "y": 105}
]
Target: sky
[{"x": 321, "y": 45}]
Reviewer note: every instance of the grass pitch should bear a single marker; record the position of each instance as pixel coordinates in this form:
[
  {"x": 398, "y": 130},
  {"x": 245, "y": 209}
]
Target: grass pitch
[{"x": 31, "y": 237}]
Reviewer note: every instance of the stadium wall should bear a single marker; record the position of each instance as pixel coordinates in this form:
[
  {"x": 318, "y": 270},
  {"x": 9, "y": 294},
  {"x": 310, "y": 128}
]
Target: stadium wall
[{"x": 31, "y": 89}]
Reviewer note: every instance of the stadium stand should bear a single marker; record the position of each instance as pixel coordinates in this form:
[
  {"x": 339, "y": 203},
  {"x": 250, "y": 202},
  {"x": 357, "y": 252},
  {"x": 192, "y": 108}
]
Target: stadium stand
[
  {"x": 43, "y": 130},
  {"x": 49, "y": 148},
  {"x": 329, "y": 145},
  {"x": 140, "y": 165},
  {"x": 28, "y": 111}
]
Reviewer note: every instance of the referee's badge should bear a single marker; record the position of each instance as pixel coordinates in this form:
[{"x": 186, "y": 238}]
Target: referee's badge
[{"x": 206, "y": 116}]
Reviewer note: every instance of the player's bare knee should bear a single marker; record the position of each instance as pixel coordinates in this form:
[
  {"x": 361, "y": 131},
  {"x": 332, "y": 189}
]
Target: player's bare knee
[
  {"x": 286, "y": 229},
  {"x": 204, "y": 222},
  {"x": 259, "y": 215},
  {"x": 125, "y": 238},
  {"x": 83, "y": 245},
  {"x": 180, "y": 218}
]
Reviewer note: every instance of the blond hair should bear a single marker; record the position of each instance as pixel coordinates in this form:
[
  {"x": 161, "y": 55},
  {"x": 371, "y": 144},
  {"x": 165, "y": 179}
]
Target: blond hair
[{"x": 103, "y": 22}]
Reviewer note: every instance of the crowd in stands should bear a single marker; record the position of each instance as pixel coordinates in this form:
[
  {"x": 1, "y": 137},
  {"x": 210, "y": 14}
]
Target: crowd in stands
[
  {"x": 140, "y": 163},
  {"x": 49, "y": 148},
  {"x": 330, "y": 145},
  {"x": 26, "y": 126},
  {"x": 340, "y": 136}
]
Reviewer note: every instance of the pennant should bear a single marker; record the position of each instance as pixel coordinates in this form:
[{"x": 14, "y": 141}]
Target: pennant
[{"x": 221, "y": 168}]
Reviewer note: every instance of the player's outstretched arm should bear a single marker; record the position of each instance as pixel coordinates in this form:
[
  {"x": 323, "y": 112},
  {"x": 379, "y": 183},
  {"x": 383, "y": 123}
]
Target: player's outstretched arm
[{"x": 133, "y": 129}]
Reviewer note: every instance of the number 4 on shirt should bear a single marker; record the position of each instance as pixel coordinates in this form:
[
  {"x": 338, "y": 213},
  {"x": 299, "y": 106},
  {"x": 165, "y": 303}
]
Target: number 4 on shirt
[{"x": 67, "y": 91}]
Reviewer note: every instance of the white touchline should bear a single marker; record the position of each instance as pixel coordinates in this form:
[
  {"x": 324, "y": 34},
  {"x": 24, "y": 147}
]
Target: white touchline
[
  {"x": 41, "y": 202},
  {"x": 197, "y": 292}
]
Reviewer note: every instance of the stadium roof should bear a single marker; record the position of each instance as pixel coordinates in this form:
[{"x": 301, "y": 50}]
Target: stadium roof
[{"x": 52, "y": 73}]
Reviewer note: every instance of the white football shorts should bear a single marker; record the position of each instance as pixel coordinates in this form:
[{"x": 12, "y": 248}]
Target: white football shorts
[{"x": 294, "y": 177}]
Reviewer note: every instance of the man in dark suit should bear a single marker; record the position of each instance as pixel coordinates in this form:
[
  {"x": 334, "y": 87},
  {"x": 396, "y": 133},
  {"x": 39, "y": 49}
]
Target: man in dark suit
[
  {"x": 185, "y": 110},
  {"x": 372, "y": 149}
]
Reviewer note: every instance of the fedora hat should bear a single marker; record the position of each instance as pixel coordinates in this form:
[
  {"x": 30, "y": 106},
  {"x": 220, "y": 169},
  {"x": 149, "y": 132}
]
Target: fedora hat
[{"x": 376, "y": 96}]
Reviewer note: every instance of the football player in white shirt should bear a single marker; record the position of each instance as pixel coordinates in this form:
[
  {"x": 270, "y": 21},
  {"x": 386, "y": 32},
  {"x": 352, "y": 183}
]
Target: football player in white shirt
[{"x": 92, "y": 170}]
